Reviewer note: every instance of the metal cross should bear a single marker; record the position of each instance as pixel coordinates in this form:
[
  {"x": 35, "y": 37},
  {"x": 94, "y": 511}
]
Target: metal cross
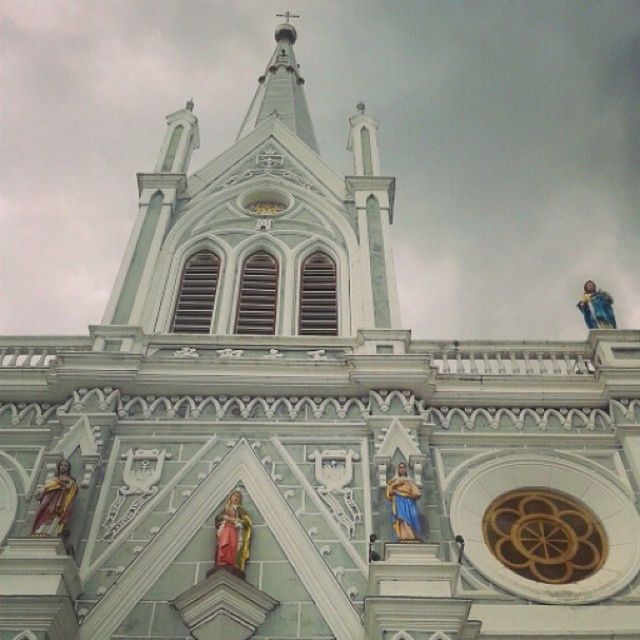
[{"x": 287, "y": 14}]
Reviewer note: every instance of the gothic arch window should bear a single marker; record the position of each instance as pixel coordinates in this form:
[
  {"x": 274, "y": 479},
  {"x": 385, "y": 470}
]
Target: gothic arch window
[
  {"x": 258, "y": 295},
  {"x": 197, "y": 295},
  {"x": 318, "y": 296}
]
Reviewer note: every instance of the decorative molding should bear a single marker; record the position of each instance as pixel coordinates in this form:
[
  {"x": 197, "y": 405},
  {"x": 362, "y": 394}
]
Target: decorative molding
[
  {"x": 445, "y": 418},
  {"x": 400, "y": 435},
  {"x": 334, "y": 471},
  {"x": 28, "y": 414},
  {"x": 141, "y": 475},
  {"x": 27, "y": 634},
  {"x": 284, "y": 174},
  {"x": 240, "y": 465},
  {"x": 224, "y": 606},
  {"x": 8, "y": 503},
  {"x": 86, "y": 438},
  {"x": 518, "y": 419}
]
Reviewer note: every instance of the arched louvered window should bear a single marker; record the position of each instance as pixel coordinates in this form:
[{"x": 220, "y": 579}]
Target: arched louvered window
[
  {"x": 258, "y": 297},
  {"x": 318, "y": 300},
  {"x": 197, "y": 296}
]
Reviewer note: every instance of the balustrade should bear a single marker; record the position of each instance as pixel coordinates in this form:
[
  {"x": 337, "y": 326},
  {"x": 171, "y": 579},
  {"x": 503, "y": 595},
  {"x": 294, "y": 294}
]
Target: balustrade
[
  {"x": 36, "y": 352},
  {"x": 545, "y": 359}
]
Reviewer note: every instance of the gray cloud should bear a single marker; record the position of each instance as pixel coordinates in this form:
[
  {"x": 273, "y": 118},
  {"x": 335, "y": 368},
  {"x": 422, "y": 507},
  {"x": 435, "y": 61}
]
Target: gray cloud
[{"x": 513, "y": 130}]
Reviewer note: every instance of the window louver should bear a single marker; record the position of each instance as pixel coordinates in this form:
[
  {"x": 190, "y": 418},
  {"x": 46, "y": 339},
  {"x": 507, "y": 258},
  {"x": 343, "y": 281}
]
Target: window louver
[
  {"x": 197, "y": 296},
  {"x": 318, "y": 300},
  {"x": 258, "y": 295}
]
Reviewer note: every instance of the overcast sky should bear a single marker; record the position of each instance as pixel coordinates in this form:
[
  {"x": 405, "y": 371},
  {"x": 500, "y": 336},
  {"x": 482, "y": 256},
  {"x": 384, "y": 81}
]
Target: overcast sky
[{"x": 513, "y": 130}]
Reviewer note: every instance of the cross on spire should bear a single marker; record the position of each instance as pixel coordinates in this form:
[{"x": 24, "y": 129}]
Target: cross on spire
[{"x": 287, "y": 14}]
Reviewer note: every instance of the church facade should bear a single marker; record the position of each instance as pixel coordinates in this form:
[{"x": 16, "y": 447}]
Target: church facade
[{"x": 261, "y": 451}]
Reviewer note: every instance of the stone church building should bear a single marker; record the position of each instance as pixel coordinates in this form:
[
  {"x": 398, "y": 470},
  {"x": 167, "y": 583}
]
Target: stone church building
[{"x": 252, "y": 342}]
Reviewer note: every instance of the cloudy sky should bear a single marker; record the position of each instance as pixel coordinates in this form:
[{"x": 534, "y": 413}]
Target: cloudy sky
[{"x": 513, "y": 129}]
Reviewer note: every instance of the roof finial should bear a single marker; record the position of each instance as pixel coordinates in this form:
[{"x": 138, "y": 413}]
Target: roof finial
[
  {"x": 360, "y": 108},
  {"x": 286, "y": 31},
  {"x": 190, "y": 104}
]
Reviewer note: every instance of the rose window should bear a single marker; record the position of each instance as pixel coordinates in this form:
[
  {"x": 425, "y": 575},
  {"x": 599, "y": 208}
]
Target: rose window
[{"x": 544, "y": 536}]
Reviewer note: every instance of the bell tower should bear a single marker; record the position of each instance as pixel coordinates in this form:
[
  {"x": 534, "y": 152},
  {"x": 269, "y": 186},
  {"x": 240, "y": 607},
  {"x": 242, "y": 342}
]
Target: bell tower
[{"x": 265, "y": 238}]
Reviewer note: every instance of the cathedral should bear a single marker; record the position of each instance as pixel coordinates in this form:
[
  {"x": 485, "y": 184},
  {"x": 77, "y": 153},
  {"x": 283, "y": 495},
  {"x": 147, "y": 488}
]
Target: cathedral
[{"x": 249, "y": 446}]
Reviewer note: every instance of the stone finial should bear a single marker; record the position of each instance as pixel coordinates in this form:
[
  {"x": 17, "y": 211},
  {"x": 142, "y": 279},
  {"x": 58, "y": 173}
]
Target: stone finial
[
  {"x": 190, "y": 104},
  {"x": 360, "y": 108}
]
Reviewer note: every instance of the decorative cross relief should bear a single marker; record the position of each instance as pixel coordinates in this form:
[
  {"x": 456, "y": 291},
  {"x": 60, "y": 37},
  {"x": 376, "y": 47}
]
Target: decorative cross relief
[
  {"x": 334, "y": 471},
  {"x": 141, "y": 475},
  {"x": 270, "y": 158},
  {"x": 263, "y": 224}
]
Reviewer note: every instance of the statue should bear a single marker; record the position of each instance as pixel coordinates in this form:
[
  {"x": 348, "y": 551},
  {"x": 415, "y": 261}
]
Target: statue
[
  {"x": 56, "y": 499},
  {"x": 233, "y": 526},
  {"x": 596, "y": 308},
  {"x": 403, "y": 493}
]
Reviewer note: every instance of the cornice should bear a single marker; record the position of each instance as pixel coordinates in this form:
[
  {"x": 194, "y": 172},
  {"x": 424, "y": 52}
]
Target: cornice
[{"x": 173, "y": 181}]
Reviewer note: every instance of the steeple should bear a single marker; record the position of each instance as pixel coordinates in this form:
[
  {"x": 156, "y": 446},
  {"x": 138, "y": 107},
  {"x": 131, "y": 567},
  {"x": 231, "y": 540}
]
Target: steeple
[{"x": 280, "y": 91}]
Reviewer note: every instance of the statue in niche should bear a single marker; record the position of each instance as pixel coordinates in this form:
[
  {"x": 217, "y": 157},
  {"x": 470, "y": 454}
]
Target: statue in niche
[
  {"x": 56, "y": 499},
  {"x": 233, "y": 526},
  {"x": 403, "y": 493},
  {"x": 596, "y": 307}
]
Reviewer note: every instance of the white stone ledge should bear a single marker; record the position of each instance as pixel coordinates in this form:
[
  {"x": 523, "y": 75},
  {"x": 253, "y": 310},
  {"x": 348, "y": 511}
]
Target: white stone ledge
[{"x": 540, "y": 621}]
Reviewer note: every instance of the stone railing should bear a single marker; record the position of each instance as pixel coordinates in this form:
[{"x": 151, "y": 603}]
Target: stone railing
[
  {"x": 507, "y": 358},
  {"x": 469, "y": 358},
  {"x": 38, "y": 351}
]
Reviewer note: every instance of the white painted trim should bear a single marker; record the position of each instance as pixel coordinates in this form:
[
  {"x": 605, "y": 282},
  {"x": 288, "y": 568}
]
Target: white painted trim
[
  {"x": 275, "y": 247},
  {"x": 330, "y": 520},
  {"x": 487, "y": 481},
  {"x": 239, "y": 466},
  {"x": 163, "y": 294},
  {"x": 148, "y": 272},
  {"x": 88, "y": 568},
  {"x": 366, "y": 484},
  {"x": 368, "y": 321},
  {"x": 20, "y": 470},
  {"x": 344, "y": 278},
  {"x": 9, "y": 506}
]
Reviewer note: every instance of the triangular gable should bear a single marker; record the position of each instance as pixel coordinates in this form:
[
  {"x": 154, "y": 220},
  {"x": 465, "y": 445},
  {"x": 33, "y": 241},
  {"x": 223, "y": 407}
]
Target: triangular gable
[
  {"x": 270, "y": 128},
  {"x": 397, "y": 437},
  {"x": 239, "y": 466},
  {"x": 82, "y": 436}
]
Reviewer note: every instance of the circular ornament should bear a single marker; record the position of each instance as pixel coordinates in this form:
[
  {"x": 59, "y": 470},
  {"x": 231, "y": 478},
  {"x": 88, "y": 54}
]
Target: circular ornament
[
  {"x": 265, "y": 207},
  {"x": 545, "y": 536},
  {"x": 265, "y": 202}
]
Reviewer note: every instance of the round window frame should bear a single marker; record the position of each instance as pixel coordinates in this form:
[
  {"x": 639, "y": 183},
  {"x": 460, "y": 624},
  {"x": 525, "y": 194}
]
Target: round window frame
[
  {"x": 608, "y": 502},
  {"x": 277, "y": 196},
  {"x": 567, "y": 541}
]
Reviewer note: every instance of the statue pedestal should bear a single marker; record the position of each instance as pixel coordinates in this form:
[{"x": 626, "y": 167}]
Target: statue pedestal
[
  {"x": 39, "y": 584},
  {"x": 412, "y": 589},
  {"x": 410, "y": 569},
  {"x": 223, "y": 606}
]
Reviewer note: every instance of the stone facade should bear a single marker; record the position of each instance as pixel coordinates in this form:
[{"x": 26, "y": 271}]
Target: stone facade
[{"x": 160, "y": 427}]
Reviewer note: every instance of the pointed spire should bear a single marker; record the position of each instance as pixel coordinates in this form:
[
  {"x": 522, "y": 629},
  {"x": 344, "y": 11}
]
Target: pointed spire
[{"x": 280, "y": 93}]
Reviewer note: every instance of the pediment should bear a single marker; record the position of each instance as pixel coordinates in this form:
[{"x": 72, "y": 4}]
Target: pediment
[
  {"x": 240, "y": 157},
  {"x": 239, "y": 467}
]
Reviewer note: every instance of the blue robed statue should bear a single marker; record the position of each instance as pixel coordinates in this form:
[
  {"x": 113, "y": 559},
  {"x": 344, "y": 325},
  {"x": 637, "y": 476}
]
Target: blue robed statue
[
  {"x": 403, "y": 494},
  {"x": 596, "y": 307}
]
